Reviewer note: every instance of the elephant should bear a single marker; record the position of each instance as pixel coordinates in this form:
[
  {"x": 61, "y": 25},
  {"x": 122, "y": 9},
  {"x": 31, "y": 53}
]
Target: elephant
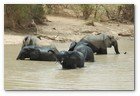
[
  {"x": 100, "y": 43},
  {"x": 37, "y": 53},
  {"x": 83, "y": 48},
  {"x": 30, "y": 40},
  {"x": 70, "y": 59}
]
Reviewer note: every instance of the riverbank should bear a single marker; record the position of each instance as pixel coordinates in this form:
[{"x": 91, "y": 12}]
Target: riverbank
[{"x": 68, "y": 29}]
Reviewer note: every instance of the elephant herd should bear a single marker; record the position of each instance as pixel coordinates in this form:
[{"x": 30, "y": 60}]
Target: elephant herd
[{"x": 78, "y": 53}]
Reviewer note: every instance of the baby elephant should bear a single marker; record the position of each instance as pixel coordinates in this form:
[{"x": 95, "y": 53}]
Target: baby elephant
[
  {"x": 83, "y": 48},
  {"x": 37, "y": 53},
  {"x": 70, "y": 59}
]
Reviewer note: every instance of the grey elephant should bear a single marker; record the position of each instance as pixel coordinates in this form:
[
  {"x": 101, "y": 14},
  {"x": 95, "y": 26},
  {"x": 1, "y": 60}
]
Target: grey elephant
[
  {"x": 100, "y": 43},
  {"x": 30, "y": 40},
  {"x": 37, "y": 53},
  {"x": 83, "y": 48},
  {"x": 70, "y": 59}
]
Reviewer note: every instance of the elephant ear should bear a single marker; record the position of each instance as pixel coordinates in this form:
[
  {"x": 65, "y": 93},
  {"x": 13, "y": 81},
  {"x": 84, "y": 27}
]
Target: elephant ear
[
  {"x": 34, "y": 55},
  {"x": 31, "y": 42},
  {"x": 107, "y": 40},
  {"x": 26, "y": 41},
  {"x": 72, "y": 46}
]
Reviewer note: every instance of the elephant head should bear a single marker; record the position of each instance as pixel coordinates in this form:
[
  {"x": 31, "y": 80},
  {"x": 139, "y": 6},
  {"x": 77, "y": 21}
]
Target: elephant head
[
  {"x": 25, "y": 52},
  {"x": 111, "y": 41},
  {"x": 70, "y": 59},
  {"x": 84, "y": 48}
]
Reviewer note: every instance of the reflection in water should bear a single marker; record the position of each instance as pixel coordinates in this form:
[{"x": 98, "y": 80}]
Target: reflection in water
[{"x": 108, "y": 72}]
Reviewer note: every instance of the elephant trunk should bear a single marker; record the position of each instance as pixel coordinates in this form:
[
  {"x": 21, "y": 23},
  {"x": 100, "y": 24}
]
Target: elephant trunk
[
  {"x": 115, "y": 44},
  {"x": 17, "y": 58},
  {"x": 20, "y": 56},
  {"x": 59, "y": 56}
]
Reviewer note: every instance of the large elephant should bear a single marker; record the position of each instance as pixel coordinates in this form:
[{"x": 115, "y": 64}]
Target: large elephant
[
  {"x": 30, "y": 40},
  {"x": 83, "y": 48},
  {"x": 70, "y": 59},
  {"x": 37, "y": 53},
  {"x": 100, "y": 43}
]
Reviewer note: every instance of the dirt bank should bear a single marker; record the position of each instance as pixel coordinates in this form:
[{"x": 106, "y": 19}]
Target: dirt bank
[{"x": 66, "y": 29}]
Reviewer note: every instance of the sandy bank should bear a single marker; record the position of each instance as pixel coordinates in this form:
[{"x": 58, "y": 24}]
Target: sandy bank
[{"x": 70, "y": 29}]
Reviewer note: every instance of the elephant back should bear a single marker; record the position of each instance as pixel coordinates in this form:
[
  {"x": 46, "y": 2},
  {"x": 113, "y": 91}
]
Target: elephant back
[
  {"x": 93, "y": 37},
  {"x": 47, "y": 48},
  {"x": 96, "y": 40},
  {"x": 45, "y": 53}
]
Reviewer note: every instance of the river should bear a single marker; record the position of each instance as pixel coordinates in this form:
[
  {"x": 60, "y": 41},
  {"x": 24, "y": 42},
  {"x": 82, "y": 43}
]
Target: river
[{"x": 108, "y": 72}]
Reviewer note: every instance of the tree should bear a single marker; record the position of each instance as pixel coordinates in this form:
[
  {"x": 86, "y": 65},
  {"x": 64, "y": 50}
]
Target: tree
[
  {"x": 87, "y": 10},
  {"x": 128, "y": 12},
  {"x": 18, "y": 15}
]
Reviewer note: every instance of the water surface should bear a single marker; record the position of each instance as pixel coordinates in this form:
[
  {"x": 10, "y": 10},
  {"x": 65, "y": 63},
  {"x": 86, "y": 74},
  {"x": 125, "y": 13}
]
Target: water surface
[{"x": 108, "y": 72}]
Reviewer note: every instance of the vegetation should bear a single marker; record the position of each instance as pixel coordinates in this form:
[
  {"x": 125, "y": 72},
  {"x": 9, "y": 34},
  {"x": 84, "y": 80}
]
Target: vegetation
[
  {"x": 87, "y": 10},
  {"x": 98, "y": 12},
  {"x": 19, "y": 15}
]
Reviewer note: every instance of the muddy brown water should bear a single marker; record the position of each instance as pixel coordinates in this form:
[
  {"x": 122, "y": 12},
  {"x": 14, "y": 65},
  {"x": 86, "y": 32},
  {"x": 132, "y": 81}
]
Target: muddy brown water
[{"x": 108, "y": 72}]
